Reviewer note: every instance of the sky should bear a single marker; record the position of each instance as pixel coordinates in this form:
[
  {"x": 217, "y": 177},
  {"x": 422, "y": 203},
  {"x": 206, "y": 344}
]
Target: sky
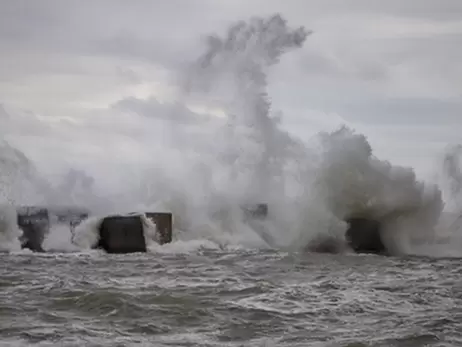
[{"x": 73, "y": 73}]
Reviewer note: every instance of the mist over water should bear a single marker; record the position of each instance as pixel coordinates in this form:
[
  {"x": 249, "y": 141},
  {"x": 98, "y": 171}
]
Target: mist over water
[{"x": 213, "y": 163}]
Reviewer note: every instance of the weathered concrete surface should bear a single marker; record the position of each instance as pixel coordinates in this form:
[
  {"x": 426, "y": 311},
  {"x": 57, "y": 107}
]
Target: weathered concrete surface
[
  {"x": 35, "y": 224},
  {"x": 164, "y": 225},
  {"x": 122, "y": 234},
  {"x": 363, "y": 236}
]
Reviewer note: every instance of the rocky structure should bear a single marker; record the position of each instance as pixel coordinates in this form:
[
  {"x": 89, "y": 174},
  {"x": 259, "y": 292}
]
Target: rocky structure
[
  {"x": 126, "y": 234},
  {"x": 35, "y": 224},
  {"x": 122, "y": 234},
  {"x": 363, "y": 236}
]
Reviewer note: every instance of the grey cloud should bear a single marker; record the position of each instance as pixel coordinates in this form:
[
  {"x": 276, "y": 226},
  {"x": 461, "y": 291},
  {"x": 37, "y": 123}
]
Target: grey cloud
[
  {"x": 443, "y": 9},
  {"x": 393, "y": 112},
  {"x": 24, "y": 122},
  {"x": 317, "y": 63},
  {"x": 153, "y": 109},
  {"x": 169, "y": 33},
  {"x": 128, "y": 75},
  {"x": 427, "y": 9},
  {"x": 3, "y": 114},
  {"x": 416, "y": 112},
  {"x": 152, "y": 30},
  {"x": 388, "y": 81}
]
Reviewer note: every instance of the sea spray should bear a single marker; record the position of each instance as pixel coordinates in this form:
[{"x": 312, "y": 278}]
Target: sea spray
[
  {"x": 151, "y": 234},
  {"x": 342, "y": 179},
  {"x": 232, "y": 75},
  {"x": 213, "y": 166},
  {"x": 86, "y": 234},
  {"x": 354, "y": 183},
  {"x": 10, "y": 233},
  {"x": 58, "y": 239},
  {"x": 245, "y": 161},
  {"x": 246, "y": 157},
  {"x": 20, "y": 182}
]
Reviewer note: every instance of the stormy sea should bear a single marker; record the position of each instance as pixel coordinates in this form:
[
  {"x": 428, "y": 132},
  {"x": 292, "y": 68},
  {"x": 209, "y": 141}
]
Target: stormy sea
[{"x": 289, "y": 279}]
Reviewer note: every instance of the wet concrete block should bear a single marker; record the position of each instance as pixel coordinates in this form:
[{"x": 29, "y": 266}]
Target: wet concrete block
[
  {"x": 363, "y": 236},
  {"x": 164, "y": 225},
  {"x": 35, "y": 224},
  {"x": 122, "y": 234}
]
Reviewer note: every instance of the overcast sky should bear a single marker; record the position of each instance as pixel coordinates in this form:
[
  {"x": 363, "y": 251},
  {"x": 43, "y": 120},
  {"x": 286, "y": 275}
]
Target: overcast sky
[{"x": 390, "y": 69}]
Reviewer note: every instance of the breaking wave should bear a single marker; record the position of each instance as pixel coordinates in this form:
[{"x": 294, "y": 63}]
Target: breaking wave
[{"x": 216, "y": 165}]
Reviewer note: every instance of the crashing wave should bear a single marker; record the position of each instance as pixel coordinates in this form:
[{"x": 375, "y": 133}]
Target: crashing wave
[{"x": 247, "y": 157}]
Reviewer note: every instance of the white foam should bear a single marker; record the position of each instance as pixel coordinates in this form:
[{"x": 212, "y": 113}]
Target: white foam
[
  {"x": 10, "y": 233},
  {"x": 59, "y": 239},
  {"x": 86, "y": 234},
  {"x": 151, "y": 235}
]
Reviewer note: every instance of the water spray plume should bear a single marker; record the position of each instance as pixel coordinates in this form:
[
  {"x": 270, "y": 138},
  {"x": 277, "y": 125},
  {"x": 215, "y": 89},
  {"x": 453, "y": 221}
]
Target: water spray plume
[{"x": 210, "y": 169}]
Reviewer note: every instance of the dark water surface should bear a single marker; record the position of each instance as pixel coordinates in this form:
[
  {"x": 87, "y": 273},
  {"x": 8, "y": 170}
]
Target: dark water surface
[{"x": 242, "y": 298}]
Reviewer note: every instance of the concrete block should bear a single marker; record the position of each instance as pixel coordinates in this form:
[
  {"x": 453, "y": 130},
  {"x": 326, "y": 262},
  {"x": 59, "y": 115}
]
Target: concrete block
[
  {"x": 35, "y": 224},
  {"x": 122, "y": 234},
  {"x": 363, "y": 236},
  {"x": 164, "y": 225},
  {"x": 125, "y": 233}
]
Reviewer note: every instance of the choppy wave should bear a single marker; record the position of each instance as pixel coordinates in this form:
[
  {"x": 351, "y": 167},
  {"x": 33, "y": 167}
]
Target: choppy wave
[
  {"x": 247, "y": 157},
  {"x": 217, "y": 298}
]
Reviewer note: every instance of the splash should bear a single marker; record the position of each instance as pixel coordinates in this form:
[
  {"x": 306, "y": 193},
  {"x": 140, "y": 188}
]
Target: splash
[
  {"x": 354, "y": 183},
  {"x": 311, "y": 191},
  {"x": 9, "y": 231},
  {"x": 211, "y": 167},
  {"x": 19, "y": 179},
  {"x": 21, "y": 184},
  {"x": 232, "y": 75}
]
